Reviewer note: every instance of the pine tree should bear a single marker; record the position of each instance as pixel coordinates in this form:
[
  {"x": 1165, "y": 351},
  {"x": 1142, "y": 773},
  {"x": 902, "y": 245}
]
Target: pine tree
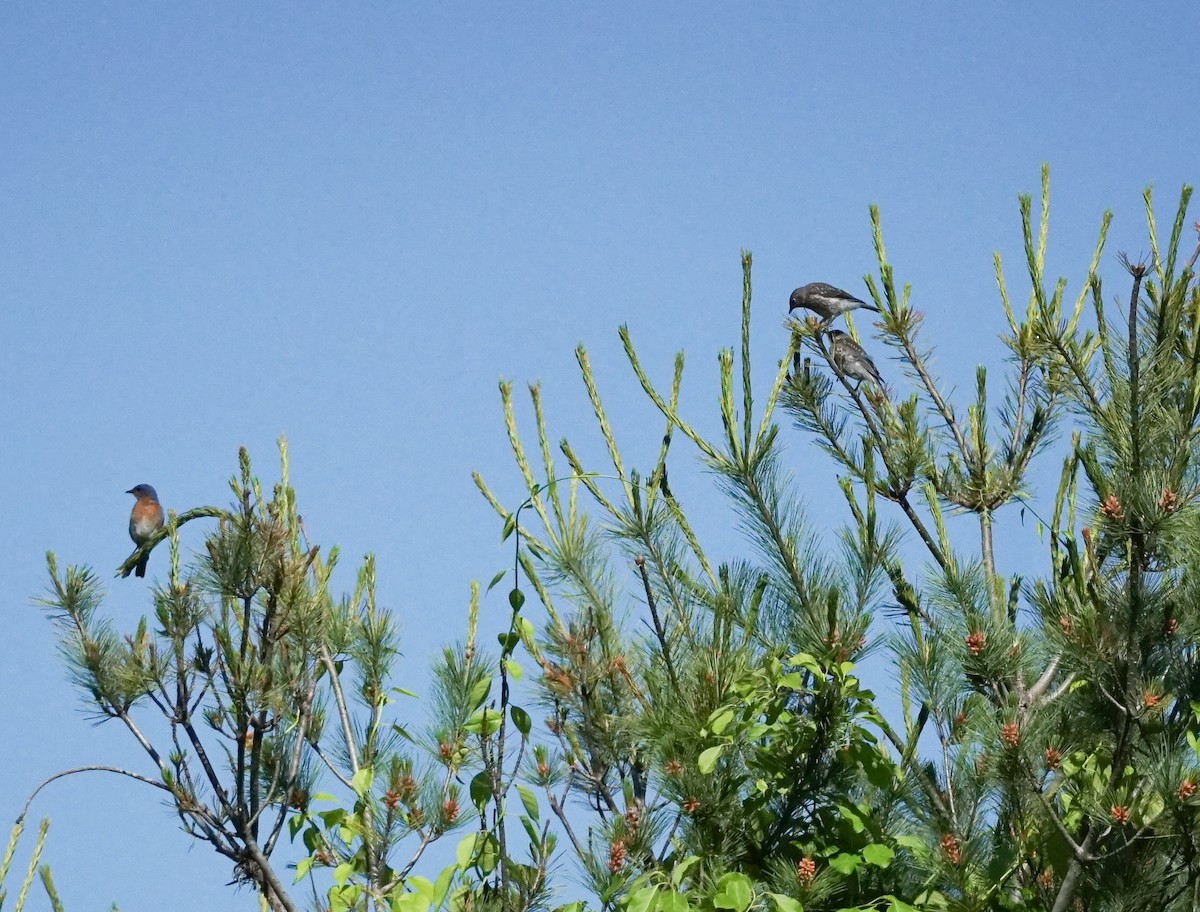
[{"x": 698, "y": 734}]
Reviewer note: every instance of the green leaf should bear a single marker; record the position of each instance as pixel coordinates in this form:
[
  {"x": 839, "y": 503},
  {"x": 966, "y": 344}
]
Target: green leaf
[
  {"x": 514, "y": 670},
  {"x": 332, "y": 818},
  {"x": 481, "y": 790},
  {"x": 342, "y": 873},
  {"x": 641, "y": 900},
  {"x": 529, "y": 799},
  {"x": 343, "y": 898},
  {"x": 535, "y": 839},
  {"x": 409, "y": 902},
  {"x": 734, "y": 891},
  {"x": 302, "y": 868},
  {"x": 844, "y": 863},
  {"x": 910, "y": 842},
  {"x": 805, "y": 660},
  {"x": 786, "y": 903},
  {"x": 709, "y": 757},
  {"x": 520, "y": 719},
  {"x": 679, "y": 871},
  {"x": 442, "y": 887},
  {"x": 488, "y": 856},
  {"x": 878, "y": 854},
  {"x": 793, "y": 680},
  {"x": 721, "y": 721},
  {"x": 485, "y": 722},
  {"x": 295, "y": 825},
  {"x": 495, "y": 579},
  {"x": 465, "y": 851},
  {"x": 852, "y": 817},
  {"x": 510, "y": 525},
  {"x": 480, "y": 692},
  {"x": 508, "y": 641},
  {"x": 516, "y": 598},
  {"x": 670, "y": 901},
  {"x": 361, "y": 782},
  {"x": 421, "y": 885},
  {"x": 899, "y": 905}
]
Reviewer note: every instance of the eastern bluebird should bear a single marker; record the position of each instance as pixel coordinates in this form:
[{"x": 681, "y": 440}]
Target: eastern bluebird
[
  {"x": 826, "y": 301},
  {"x": 850, "y": 359},
  {"x": 145, "y": 519}
]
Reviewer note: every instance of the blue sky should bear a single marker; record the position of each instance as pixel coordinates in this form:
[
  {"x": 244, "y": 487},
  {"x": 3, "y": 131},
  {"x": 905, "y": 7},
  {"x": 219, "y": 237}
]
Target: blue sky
[{"x": 223, "y": 223}]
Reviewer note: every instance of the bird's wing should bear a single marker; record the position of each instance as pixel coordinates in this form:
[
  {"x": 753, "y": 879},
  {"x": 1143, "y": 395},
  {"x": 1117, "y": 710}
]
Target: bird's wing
[{"x": 831, "y": 291}]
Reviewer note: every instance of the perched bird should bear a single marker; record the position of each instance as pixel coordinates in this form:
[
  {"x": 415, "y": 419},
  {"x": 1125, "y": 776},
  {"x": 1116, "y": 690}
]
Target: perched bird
[
  {"x": 145, "y": 519},
  {"x": 826, "y": 301},
  {"x": 850, "y": 359}
]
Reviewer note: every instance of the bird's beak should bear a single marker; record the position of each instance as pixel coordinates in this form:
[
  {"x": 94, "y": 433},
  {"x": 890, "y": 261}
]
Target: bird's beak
[{"x": 130, "y": 491}]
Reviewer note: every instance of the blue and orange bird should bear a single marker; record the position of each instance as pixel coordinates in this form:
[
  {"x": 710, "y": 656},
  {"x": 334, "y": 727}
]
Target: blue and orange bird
[{"x": 145, "y": 519}]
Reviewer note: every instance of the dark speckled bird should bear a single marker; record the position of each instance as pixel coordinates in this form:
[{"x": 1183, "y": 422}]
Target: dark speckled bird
[
  {"x": 850, "y": 359},
  {"x": 825, "y": 301},
  {"x": 145, "y": 519}
]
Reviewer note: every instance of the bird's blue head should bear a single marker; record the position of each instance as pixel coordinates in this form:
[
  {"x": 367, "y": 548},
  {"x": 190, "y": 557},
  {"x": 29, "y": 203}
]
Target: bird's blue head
[
  {"x": 143, "y": 490},
  {"x": 796, "y": 300}
]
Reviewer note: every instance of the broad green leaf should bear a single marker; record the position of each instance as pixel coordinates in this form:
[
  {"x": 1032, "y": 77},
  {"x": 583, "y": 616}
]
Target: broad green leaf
[
  {"x": 529, "y": 799},
  {"x": 878, "y": 854},
  {"x": 489, "y": 855},
  {"x": 535, "y": 838},
  {"x": 295, "y": 825},
  {"x": 899, "y": 905},
  {"x": 509, "y": 640},
  {"x": 481, "y": 790},
  {"x": 421, "y": 885},
  {"x": 465, "y": 851},
  {"x": 361, "y": 781},
  {"x": 641, "y": 900},
  {"x": 409, "y": 902},
  {"x": 485, "y": 722},
  {"x": 516, "y": 598},
  {"x": 670, "y": 901},
  {"x": 679, "y": 871},
  {"x": 442, "y": 887},
  {"x": 845, "y": 863},
  {"x": 302, "y": 868},
  {"x": 343, "y": 898},
  {"x": 520, "y": 719},
  {"x": 342, "y": 873},
  {"x": 480, "y": 692},
  {"x": 721, "y": 721},
  {"x": 851, "y": 816},
  {"x": 786, "y": 903},
  {"x": 514, "y": 670},
  {"x": 807, "y": 661},
  {"x": 332, "y": 818},
  {"x": 734, "y": 891},
  {"x": 793, "y": 680},
  {"x": 709, "y": 757}
]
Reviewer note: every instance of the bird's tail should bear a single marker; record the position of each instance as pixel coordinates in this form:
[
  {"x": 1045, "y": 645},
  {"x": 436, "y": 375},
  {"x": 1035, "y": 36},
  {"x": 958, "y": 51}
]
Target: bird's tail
[{"x": 141, "y": 566}]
